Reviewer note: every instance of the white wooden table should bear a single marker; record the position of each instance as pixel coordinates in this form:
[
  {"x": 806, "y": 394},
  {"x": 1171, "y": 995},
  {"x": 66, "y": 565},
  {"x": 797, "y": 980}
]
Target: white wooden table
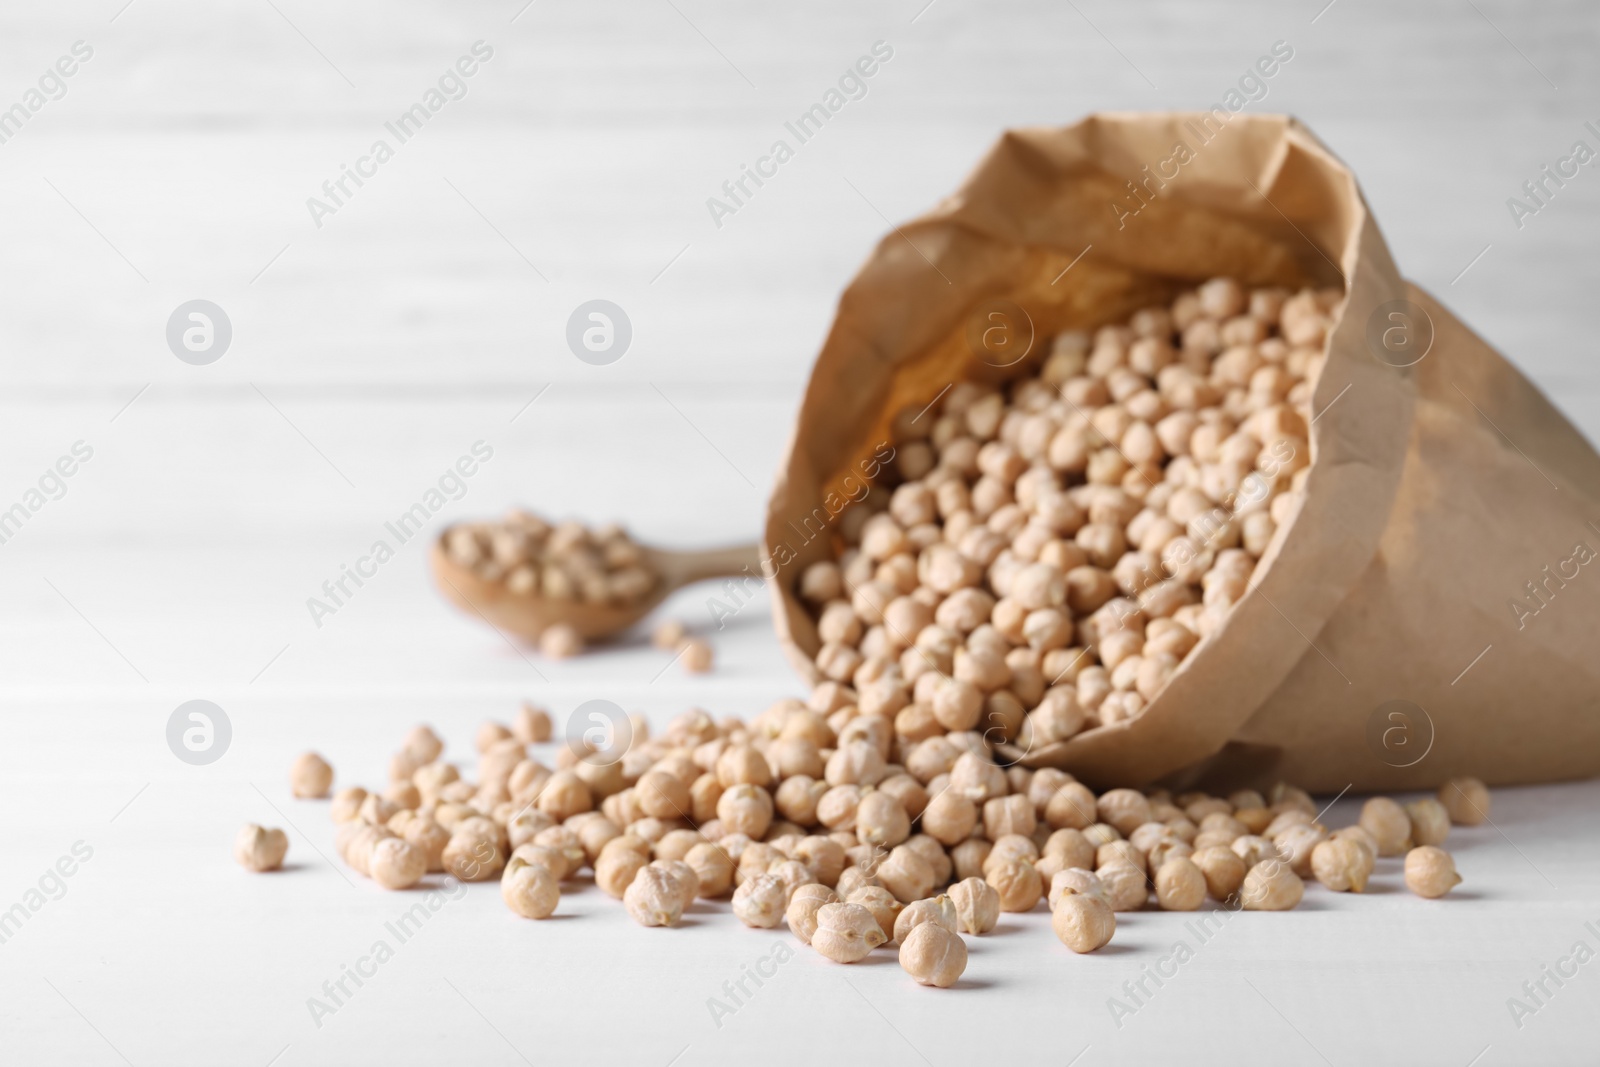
[{"x": 426, "y": 314}]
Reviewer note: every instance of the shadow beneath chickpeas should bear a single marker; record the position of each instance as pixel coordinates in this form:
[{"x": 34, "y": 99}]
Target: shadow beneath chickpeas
[
  {"x": 889, "y": 957},
  {"x": 1112, "y": 949},
  {"x": 1463, "y": 894},
  {"x": 289, "y": 868},
  {"x": 974, "y": 983}
]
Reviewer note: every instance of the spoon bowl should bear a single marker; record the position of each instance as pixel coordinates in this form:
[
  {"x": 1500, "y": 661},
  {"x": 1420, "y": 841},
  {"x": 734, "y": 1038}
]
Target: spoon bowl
[{"x": 529, "y": 615}]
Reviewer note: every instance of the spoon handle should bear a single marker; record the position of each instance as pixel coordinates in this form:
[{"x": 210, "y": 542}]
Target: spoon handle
[{"x": 681, "y": 568}]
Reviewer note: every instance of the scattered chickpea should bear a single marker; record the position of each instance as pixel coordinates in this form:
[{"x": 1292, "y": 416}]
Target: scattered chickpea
[
  {"x": 696, "y": 655},
  {"x": 1018, "y": 884},
  {"x": 1271, "y": 886},
  {"x": 882, "y": 820},
  {"x": 687, "y": 880},
  {"x": 654, "y": 897},
  {"x": 530, "y": 889},
  {"x": 881, "y": 903},
  {"x": 906, "y": 874},
  {"x": 260, "y": 849},
  {"x": 1180, "y": 885},
  {"x": 1431, "y": 872},
  {"x": 846, "y": 933},
  {"x": 668, "y": 634},
  {"x": 977, "y": 905},
  {"x": 714, "y": 867},
  {"x": 1075, "y": 880},
  {"x": 1388, "y": 824},
  {"x": 532, "y": 725},
  {"x": 397, "y": 864},
  {"x": 1430, "y": 821},
  {"x": 1343, "y": 864},
  {"x": 1466, "y": 800},
  {"x": 761, "y": 901},
  {"x": 560, "y": 641},
  {"x": 801, "y": 914},
  {"x": 346, "y": 806},
  {"x": 1083, "y": 923},
  {"x": 933, "y": 954},
  {"x": 1125, "y": 886},
  {"x": 940, "y": 909},
  {"x": 614, "y": 871},
  {"x": 310, "y": 776}
]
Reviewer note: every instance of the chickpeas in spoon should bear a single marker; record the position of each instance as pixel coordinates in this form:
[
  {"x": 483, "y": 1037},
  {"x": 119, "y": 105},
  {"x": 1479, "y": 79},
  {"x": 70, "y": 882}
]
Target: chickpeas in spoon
[{"x": 560, "y": 585}]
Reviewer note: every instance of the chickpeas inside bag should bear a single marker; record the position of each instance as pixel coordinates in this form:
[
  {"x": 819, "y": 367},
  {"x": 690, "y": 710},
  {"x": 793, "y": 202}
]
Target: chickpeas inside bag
[{"x": 1167, "y": 495}]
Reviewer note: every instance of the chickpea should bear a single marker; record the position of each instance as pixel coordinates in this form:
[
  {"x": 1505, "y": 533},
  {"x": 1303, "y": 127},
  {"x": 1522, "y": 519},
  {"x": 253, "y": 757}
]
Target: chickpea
[
  {"x": 397, "y": 864},
  {"x": 1017, "y": 882},
  {"x": 472, "y": 856},
  {"x": 1271, "y": 886},
  {"x": 654, "y": 897},
  {"x": 846, "y": 932},
  {"x": 761, "y": 901},
  {"x": 1075, "y": 880},
  {"x": 1342, "y": 864},
  {"x": 531, "y": 726},
  {"x": 712, "y": 866},
  {"x": 882, "y": 820},
  {"x": 801, "y": 914},
  {"x": 696, "y": 655},
  {"x": 560, "y": 642},
  {"x": 1180, "y": 885},
  {"x": 940, "y": 909},
  {"x": 565, "y": 795},
  {"x": 614, "y": 871},
  {"x": 1430, "y": 821},
  {"x": 530, "y": 889},
  {"x": 1125, "y": 886},
  {"x": 977, "y": 905},
  {"x": 669, "y": 634},
  {"x": 1388, "y": 824},
  {"x": 881, "y": 903},
  {"x": 1254, "y": 850},
  {"x": 347, "y": 803},
  {"x": 950, "y": 817},
  {"x": 746, "y": 809},
  {"x": 422, "y": 744},
  {"x": 662, "y": 795},
  {"x": 1012, "y": 814},
  {"x": 1430, "y": 872},
  {"x": 1083, "y": 923},
  {"x": 259, "y": 849},
  {"x": 551, "y": 859},
  {"x": 1224, "y": 870},
  {"x": 310, "y": 776},
  {"x": 430, "y": 838},
  {"x": 1466, "y": 800},
  {"x": 1296, "y": 844},
  {"x": 1071, "y": 848},
  {"x": 906, "y": 874},
  {"x": 933, "y": 955}
]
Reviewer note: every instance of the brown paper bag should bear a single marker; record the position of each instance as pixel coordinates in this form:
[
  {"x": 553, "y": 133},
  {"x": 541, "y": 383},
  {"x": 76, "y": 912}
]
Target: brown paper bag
[{"x": 1430, "y": 610}]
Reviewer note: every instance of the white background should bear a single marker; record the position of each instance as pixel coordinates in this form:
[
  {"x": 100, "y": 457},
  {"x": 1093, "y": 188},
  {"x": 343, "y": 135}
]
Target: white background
[{"x": 371, "y": 352}]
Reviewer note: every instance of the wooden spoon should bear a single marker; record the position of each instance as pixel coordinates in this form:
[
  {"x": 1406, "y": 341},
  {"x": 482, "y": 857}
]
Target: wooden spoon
[{"x": 528, "y": 616}]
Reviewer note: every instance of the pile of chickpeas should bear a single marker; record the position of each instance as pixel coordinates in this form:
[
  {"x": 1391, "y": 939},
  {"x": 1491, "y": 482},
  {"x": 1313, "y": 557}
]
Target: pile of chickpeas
[
  {"x": 818, "y": 815},
  {"x": 1038, "y": 563},
  {"x": 562, "y": 561},
  {"x": 1042, "y": 557}
]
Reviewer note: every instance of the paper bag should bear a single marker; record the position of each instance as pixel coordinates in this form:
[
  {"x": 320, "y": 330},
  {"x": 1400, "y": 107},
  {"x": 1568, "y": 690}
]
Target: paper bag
[{"x": 1432, "y": 608}]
